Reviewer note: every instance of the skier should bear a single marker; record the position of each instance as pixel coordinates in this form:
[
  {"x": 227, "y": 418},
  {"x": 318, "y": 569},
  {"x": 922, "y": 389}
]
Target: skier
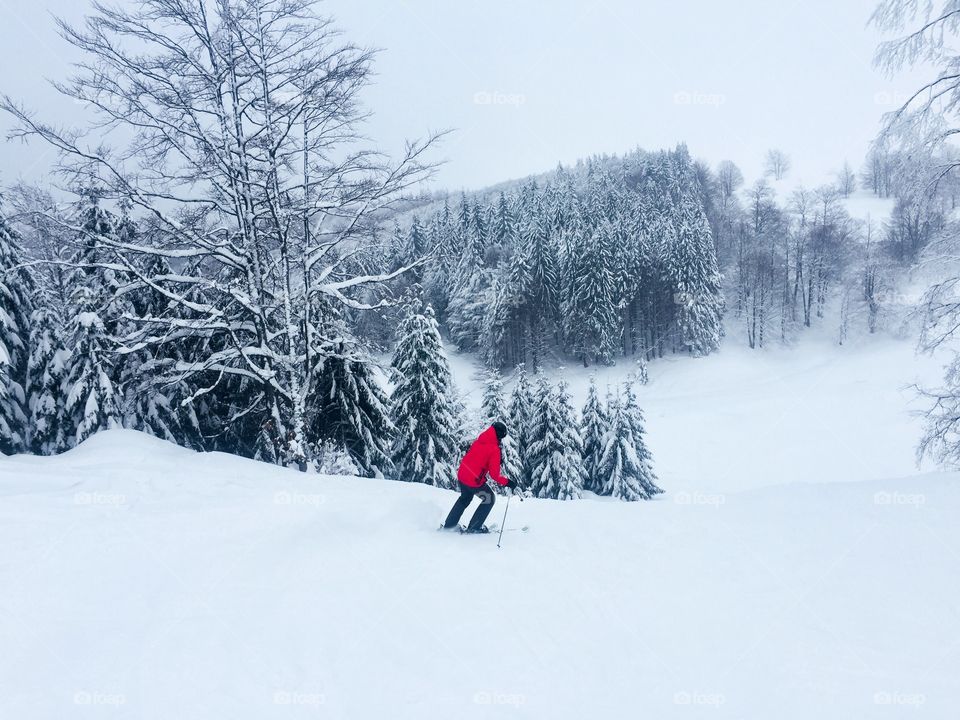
[{"x": 482, "y": 459}]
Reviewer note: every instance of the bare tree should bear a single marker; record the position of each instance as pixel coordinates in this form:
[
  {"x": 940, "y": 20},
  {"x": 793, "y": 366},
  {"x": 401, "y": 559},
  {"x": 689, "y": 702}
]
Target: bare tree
[
  {"x": 925, "y": 35},
  {"x": 729, "y": 180},
  {"x": 878, "y": 171},
  {"x": 777, "y": 164},
  {"x": 846, "y": 180},
  {"x": 761, "y": 264},
  {"x": 233, "y": 128}
]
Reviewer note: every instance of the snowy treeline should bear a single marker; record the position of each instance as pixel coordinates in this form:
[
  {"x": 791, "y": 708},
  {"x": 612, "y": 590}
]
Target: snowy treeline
[
  {"x": 596, "y": 262},
  {"x": 69, "y": 370},
  {"x": 642, "y": 255},
  {"x": 793, "y": 262}
]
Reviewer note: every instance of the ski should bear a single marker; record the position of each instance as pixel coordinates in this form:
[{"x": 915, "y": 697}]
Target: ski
[
  {"x": 495, "y": 528},
  {"x": 465, "y": 531}
]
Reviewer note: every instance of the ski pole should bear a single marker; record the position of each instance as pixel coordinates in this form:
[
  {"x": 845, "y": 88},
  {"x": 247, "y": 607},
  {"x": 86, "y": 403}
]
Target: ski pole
[{"x": 504, "y": 518}]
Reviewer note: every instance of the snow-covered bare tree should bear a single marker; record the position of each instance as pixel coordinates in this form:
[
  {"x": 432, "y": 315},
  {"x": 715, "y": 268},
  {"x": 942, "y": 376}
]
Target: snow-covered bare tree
[
  {"x": 234, "y": 127},
  {"x": 925, "y": 35},
  {"x": 776, "y": 164},
  {"x": 729, "y": 179},
  {"x": 846, "y": 180}
]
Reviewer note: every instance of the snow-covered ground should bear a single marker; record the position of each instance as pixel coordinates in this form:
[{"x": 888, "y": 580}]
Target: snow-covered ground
[
  {"x": 741, "y": 418},
  {"x": 140, "y": 580}
]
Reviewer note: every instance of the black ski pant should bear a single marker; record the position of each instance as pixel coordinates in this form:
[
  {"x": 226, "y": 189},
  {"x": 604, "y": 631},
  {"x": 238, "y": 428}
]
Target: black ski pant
[{"x": 467, "y": 493}]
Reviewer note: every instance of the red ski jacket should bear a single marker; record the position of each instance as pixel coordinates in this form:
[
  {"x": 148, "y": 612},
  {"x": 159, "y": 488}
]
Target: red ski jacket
[{"x": 482, "y": 458}]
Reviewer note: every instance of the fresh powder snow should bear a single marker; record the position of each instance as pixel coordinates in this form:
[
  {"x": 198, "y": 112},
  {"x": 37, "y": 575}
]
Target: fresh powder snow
[{"x": 144, "y": 580}]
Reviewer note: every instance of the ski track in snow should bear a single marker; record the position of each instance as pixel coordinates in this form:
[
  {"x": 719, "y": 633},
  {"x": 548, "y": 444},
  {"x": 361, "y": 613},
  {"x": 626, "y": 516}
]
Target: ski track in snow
[{"x": 141, "y": 580}]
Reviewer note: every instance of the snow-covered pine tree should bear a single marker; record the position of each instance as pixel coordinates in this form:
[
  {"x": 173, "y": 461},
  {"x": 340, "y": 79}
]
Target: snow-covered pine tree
[
  {"x": 154, "y": 413},
  {"x": 642, "y": 373},
  {"x": 12, "y": 419},
  {"x": 152, "y": 399},
  {"x": 508, "y": 316},
  {"x": 268, "y": 447},
  {"x": 594, "y": 427},
  {"x": 16, "y": 290},
  {"x": 591, "y": 311},
  {"x": 46, "y": 373},
  {"x": 634, "y": 416},
  {"x": 479, "y": 235},
  {"x": 691, "y": 267},
  {"x": 96, "y": 225},
  {"x": 626, "y": 462},
  {"x": 494, "y": 409},
  {"x": 422, "y": 405},
  {"x": 522, "y": 411},
  {"x": 414, "y": 250},
  {"x": 91, "y": 404},
  {"x": 444, "y": 250},
  {"x": 502, "y": 232},
  {"x": 542, "y": 284},
  {"x": 556, "y": 449},
  {"x": 470, "y": 302},
  {"x": 469, "y": 291},
  {"x": 351, "y": 410},
  {"x": 571, "y": 485},
  {"x": 397, "y": 247},
  {"x": 332, "y": 459},
  {"x": 492, "y": 404}
]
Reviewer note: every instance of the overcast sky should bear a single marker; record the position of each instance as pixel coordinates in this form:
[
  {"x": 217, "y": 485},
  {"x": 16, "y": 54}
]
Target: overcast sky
[{"x": 528, "y": 84}]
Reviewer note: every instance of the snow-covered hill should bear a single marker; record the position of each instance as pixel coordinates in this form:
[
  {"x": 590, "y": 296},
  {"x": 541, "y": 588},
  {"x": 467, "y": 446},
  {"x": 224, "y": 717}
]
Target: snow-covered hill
[
  {"x": 140, "y": 580},
  {"x": 742, "y": 419}
]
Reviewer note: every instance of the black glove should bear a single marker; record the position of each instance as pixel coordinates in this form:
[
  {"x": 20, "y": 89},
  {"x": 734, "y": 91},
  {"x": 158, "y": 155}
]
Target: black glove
[{"x": 512, "y": 484}]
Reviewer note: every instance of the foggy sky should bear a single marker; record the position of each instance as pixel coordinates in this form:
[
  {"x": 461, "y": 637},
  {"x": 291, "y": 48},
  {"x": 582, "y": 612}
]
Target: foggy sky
[{"x": 526, "y": 85}]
